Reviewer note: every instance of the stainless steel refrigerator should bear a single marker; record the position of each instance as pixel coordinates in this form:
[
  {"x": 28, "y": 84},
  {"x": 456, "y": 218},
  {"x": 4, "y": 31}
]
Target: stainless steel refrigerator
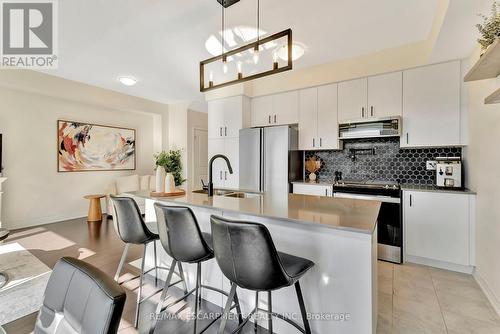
[{"x": 270, "y": 159}]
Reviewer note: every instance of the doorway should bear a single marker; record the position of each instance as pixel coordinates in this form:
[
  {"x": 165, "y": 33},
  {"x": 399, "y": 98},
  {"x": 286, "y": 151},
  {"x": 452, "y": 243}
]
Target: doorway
[{"x": 200, "y": 158}]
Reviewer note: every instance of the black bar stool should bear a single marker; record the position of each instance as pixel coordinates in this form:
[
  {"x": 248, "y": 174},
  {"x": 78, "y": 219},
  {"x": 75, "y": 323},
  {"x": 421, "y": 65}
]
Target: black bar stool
[
  {"x": 182, "y": 239},
  {"x": 247, "y": 256},
  {"x": 132, "y": 229}
]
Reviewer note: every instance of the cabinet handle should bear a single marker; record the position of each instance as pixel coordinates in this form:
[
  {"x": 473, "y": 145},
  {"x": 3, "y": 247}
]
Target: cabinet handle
[
  {"x": 220, "y": 131},
  {"x": 269, "y": 119},
  {"x": 275, "y": 119},
  {"x": 225, "y": 131},
  {"x": 221, "y": 175},
  {"x": 407, "y": 138},
  {"x": 225, "y": 175},
  {"x": 362, "y": 112},
  {"x": 411, "y": 200},
  {"x": 371, "y": 111},
  {"x": 314, "y": 143},
  {"x": 321, "y": 142},
  {"x": 326, "y": 192}
]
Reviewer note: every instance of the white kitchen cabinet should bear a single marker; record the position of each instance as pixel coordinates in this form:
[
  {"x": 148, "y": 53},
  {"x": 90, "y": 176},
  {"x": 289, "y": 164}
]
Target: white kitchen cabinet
[
  {"x": 221, "y": 176},
  {"x": 231, "y": 149},
  {"x": 385, "y": 95},
  {"x": 286, "y": 108},
  {"x": 277, "y": 109},
  {"x": 352, "y": 100},
  {"x": 431, "y": 106},
  {"x": 217, "y": 146},
  {"x": 227, "y": 116},
  {"x": 439, "y": 228},
  {"x": 328, "y": 127},
  {"x": 262, "y": 109},
  {"x": 308, "y": 119},
  {"x": 313, "y": 189},
  {"x": 318, "y": 127}
]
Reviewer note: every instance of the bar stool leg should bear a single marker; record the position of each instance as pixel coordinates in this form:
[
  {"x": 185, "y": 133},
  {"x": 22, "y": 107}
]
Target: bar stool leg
[
  {"x": 199, "y": 285},
  {"x": 307, "y": 328},
  {"x": 163, "y": 296},
  {"x": 122, "y": 262},
  {"x": 238, "y": 307},
  {"x": 227, "y": 309},
  {"x": 256, "y": 311},
  {"x": 197, "y": 295},
  {"x": 156, "y": 264},
  {"x": 181, "y": 274},
  {"x": 139, "y": 293},
  {"x": 270, "y": 319}
]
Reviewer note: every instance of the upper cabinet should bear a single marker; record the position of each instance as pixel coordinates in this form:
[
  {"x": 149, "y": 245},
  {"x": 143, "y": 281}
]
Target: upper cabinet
[
  {"x": 372, "y": 97},
  {"x": 385, "y": 95},
  {"x": 353, "y": 100},
  {"x": 227, "y": 116},
  {"x": 431, "y": 106},
  {"x": 278, "y": 109},
  {"x": 318, "y": 127}
]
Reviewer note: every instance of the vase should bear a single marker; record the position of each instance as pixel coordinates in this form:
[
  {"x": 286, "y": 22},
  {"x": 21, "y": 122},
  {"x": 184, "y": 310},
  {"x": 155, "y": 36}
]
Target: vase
[
  {"x": 312, "y": 177},
  {"x": 169, "y": 183},
  {"x": 160, "y": 179}
]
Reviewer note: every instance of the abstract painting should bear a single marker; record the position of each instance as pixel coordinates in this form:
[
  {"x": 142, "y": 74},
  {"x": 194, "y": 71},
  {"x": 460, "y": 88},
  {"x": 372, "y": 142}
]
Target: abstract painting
[{"x": 91, "y": 147}]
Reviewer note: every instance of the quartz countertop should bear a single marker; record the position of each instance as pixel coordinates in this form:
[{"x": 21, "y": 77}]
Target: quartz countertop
[
  {"x": 433, "y": 188},
  {"x": 316, "y": 183},
  {"x": 337, "y": 213}
]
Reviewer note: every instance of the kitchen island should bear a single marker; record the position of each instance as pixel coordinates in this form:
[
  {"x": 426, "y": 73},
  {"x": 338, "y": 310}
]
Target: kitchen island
[{"x": 339, "y": 235}]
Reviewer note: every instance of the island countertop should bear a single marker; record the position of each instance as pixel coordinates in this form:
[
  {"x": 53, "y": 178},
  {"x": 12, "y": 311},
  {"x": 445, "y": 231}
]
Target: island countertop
[{"x": 337, "y": 213}]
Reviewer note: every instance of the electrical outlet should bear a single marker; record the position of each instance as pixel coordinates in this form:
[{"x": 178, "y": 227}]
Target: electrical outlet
[{"x": 431, "y": 165}]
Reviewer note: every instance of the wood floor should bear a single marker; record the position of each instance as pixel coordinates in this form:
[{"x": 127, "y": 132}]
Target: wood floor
[{"x": 412, "y": 299}]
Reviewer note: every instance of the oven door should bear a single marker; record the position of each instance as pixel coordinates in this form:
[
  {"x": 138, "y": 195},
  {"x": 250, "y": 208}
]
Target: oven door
[{"x": 389, "y": 227}]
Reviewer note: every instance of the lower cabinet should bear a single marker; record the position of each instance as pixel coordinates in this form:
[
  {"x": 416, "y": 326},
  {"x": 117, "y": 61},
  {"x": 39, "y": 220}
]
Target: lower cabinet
[
  {"x": 439, "y": 228},
  {"x": 312, "y": 189}
]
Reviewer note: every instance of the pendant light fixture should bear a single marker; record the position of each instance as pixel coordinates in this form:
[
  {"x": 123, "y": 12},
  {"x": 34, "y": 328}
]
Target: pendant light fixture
[{"x": 265, "y": 58}]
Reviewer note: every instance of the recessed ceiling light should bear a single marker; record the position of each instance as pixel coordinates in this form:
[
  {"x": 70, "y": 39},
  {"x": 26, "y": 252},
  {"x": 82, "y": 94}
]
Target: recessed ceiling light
[
  {"x": 128, "y": 81},
  {"x": 297, "y": 52}
]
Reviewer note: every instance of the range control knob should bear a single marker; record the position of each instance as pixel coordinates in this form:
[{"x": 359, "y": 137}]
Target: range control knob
[{"x": 386, "y": 186}]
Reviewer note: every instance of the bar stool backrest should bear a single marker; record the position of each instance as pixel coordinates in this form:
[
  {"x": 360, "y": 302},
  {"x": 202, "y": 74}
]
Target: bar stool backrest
[
  {"x": 246, "y": 254},
  {"x": 180, "y": 234},
  {"x": 128, "y": 221}
]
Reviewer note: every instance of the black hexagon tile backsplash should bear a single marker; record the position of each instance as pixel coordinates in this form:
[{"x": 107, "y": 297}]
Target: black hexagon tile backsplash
[{"x": 388, "y": 163}]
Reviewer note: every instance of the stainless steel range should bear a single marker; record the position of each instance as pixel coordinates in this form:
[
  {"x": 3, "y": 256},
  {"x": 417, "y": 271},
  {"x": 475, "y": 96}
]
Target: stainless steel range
[{"x": 389, "y": 227}]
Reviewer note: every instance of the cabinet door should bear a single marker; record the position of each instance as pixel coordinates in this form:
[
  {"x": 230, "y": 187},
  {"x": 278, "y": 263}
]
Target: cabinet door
[
  {"x": 262, "y": 108},
  {"x": 216, "y": 146},
  {"x": 431, "y": 106},
  {"x": 286, "y": 108},
  {"x": 385, "y": 95},
  {"x": 308, "y": 119},
  {"x": 312, "y": 189},
  {"x": 233, "y": 116},
  {"x": 216, "y": 113},
  {"x": 353, "y": 100},
  {"x": 232, "y": 149},
  {"x": 437, "y": 226},
  {"x": 328, "y": 127}
]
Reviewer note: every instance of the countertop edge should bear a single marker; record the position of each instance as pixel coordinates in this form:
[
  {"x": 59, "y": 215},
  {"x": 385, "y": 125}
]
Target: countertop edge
[
  {"x": 426, "y": 188},
  {"x": 295, "y": 221}
]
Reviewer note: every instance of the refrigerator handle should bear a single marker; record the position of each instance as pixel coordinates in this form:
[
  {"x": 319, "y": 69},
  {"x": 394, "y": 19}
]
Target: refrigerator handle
[{"x": 262, "y": 158}]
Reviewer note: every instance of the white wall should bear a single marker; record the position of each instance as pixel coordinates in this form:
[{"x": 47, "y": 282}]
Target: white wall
[
  {"x": 483, "y": 161},
  {"x": 35, "y": 193}
]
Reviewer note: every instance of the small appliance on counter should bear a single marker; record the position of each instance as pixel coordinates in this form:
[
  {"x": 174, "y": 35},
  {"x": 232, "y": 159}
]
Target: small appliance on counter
[{"x": 449, "y": 172}]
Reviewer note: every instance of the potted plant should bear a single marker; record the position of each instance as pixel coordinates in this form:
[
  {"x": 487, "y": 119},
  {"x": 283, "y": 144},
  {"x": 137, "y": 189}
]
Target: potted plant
[
  {"x": 169, "y": 162},
  {"x": 490, "y": 29}
]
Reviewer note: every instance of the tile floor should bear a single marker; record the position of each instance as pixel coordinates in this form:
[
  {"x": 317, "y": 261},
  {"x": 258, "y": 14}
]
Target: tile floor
[{"x": 416, "y": 299}]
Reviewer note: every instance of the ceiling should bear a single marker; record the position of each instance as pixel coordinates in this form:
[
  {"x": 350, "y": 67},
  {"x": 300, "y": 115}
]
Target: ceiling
[{"x": 160, "y": 42}]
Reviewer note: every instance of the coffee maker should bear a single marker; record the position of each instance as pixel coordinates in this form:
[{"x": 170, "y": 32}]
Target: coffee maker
[{"x": 449, "y": 172}]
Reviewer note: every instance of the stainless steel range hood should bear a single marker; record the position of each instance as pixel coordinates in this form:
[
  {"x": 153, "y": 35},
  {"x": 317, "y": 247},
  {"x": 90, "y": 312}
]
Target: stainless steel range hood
[{"x": 371, "y": 128}]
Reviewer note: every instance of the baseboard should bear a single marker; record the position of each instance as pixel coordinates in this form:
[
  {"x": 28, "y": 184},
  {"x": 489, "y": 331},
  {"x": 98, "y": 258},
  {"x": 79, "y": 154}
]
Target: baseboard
[
  {"x": 20, "y": 224},
  {"x": 492, "y": 297},
  {"x": 439, "y": 264}
]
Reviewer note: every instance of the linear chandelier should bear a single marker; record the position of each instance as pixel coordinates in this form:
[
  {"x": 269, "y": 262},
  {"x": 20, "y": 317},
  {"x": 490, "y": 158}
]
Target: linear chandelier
[{"x": 269, "y": 55}]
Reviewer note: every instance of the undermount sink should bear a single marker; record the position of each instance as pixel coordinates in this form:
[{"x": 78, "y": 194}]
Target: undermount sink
[
  {"x": 242, "y": 195},
  {"x": 217, "y": 192}
]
